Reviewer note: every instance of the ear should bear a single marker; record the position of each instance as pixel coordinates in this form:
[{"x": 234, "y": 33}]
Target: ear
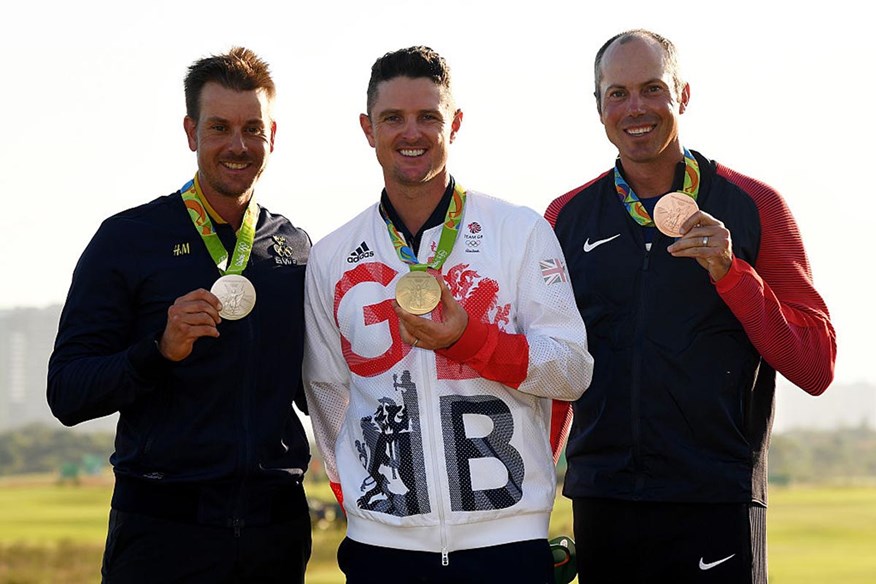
[
  {"x": 685, "y": 98},
  {"x": 273, "y": 133},
  {"x": 368, "y": 128},
  {"x": 191, "y": 128},
  {"x": 455, "y": 124}
]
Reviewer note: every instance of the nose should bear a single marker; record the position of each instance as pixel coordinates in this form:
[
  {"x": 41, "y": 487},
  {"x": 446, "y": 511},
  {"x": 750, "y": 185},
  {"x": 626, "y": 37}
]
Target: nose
[
  {"x": 411, "y": 128},
  {"x": 636, "y": 105},
  {"x": 237, "y": 142}
]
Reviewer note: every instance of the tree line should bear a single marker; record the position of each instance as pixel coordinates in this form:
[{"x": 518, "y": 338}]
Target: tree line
[{"x": 796, "y": 457}]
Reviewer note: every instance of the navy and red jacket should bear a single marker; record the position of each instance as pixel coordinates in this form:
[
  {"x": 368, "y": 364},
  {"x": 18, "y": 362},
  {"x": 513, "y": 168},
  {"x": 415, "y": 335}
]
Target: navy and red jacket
[
  {"x": 219, "y": 425},
  {"x": 680, "y": 407}
]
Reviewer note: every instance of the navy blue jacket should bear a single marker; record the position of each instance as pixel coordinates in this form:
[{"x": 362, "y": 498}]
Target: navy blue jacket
[
  {"x": 224, "y": 414},
  {"x": 681, "y": 402}
]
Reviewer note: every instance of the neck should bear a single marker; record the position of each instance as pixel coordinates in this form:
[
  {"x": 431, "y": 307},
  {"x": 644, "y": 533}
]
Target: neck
[
  {"x": 415, "y": 204},
  {"x": 231, "y": 209},
  {"x": 652, "y": 178}
]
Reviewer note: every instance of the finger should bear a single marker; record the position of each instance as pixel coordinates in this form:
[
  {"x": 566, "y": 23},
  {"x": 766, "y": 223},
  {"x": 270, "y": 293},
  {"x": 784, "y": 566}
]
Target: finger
[
  {"x": 209, "y": 306},
  {"x": 694, "y": 221}
]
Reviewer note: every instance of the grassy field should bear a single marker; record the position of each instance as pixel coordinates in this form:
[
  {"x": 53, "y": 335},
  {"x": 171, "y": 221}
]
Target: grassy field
[{"x": 53, "y": 533}]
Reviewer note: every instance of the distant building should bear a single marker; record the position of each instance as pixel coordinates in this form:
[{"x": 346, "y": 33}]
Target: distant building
[{"x": 26, "y": 339}]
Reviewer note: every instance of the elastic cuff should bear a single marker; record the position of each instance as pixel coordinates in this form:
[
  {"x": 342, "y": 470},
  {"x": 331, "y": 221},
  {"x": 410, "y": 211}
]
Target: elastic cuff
[{"x": 468, "y": 345}]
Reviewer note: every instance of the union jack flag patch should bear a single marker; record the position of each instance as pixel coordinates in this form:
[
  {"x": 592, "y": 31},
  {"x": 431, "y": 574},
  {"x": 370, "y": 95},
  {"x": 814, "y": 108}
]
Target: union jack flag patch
[{"x": 553, "y": 271}]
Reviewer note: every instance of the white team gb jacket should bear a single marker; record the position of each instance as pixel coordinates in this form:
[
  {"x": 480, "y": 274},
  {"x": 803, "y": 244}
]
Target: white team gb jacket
[{"x": 443, "y": 450}]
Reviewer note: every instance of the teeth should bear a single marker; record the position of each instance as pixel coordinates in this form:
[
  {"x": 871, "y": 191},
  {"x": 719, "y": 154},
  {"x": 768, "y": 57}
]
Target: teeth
[
  {"x": 236, "y": 165},
  {"x": 638, "y": 131},
  {"x": 409, "y": 152}
]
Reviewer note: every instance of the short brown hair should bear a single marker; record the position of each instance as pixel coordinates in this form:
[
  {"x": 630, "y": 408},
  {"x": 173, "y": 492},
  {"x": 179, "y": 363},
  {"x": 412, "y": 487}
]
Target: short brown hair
[
  {"x": 413, "y": 62},
  {"x": 239, "y": 69}
]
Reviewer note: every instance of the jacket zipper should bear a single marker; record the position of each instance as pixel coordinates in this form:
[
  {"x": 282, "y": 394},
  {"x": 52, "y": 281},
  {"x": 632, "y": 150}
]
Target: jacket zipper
[
  {"x": 436, "y": 464},
  {"x": 244, "y": 457},
  {"x": 636, "y": 376}
]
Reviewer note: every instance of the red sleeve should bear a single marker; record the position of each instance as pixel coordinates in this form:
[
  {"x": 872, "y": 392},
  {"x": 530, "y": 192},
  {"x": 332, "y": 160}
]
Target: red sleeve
[
  {"x": 561, "y": 422},
  {"x": 775, "y": 300},
  {"x": 494, "y": 354}
]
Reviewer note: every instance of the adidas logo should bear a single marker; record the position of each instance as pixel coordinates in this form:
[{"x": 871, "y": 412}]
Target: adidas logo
[{"x": 360, "y": 254}]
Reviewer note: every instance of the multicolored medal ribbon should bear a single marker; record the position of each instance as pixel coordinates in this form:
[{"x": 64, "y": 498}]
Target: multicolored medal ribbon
[
  {"x": 635, "y": 207},
  {"x": 418, "y": 292},
  {"x": 235, "y": 291}
]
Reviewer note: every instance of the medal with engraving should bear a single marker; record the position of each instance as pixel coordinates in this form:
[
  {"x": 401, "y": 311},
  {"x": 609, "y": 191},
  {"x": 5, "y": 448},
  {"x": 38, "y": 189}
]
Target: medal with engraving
[
  {"x": 418, "y": 291},
  {"x": 237, "y": 295},
  {"x": 671, "y": 211},
  {"x": 234, "y": 290}
]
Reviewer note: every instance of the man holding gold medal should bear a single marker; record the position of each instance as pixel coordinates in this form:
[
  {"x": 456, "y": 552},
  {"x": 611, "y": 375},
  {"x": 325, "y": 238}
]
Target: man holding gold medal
[
  {"x": 440, "y": 327},
  {"x": 185, "y": 315}
]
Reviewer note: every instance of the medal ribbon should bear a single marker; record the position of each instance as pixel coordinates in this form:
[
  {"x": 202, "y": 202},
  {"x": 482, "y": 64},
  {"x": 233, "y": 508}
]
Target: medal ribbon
[
  {"x": 445, "y": 243},
  {"x": 193, "y": 199},
  {"x": 635, "y": 207}
]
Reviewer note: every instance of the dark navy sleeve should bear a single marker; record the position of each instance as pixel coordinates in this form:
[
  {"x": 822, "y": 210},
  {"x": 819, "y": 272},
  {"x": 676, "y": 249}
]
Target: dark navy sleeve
[{"x": 96, "y": 367}]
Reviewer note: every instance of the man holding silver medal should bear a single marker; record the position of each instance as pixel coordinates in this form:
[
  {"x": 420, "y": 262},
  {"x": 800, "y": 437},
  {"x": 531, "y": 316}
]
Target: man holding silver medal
[
  {"x": 440, "y": 327},
  {"x": 689, "y": 327},
  {"x": 185, "y": 315}
]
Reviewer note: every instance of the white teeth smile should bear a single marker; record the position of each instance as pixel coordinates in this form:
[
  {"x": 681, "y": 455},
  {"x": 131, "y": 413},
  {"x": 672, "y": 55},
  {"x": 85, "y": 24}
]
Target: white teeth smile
[
  {"x": 409, "y": 152},
  {"x": 236, "y": 165},
  {"x": 638, "y": 131}
]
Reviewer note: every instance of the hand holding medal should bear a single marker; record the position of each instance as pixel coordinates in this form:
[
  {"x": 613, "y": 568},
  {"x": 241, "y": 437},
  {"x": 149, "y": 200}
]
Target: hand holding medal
[
  {"x": 437, "y": 332},
  {"x": 418, "y": 292}
]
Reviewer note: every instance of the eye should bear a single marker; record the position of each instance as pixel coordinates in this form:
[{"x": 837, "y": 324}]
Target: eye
[
  {"x": 218, "y": 127},
  {"x": 617, "y": 94}
]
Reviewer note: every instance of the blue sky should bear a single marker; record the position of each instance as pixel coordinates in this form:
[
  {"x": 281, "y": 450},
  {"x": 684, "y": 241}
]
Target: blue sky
[{"x": 93, "y": 107}]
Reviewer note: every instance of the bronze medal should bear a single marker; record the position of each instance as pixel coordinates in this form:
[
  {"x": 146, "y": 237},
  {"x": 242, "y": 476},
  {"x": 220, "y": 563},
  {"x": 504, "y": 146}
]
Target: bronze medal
[
  {"x": 418, "y": 292},
  {"x": 672, "y": 210},
  {"x": 237, "y": 295}
]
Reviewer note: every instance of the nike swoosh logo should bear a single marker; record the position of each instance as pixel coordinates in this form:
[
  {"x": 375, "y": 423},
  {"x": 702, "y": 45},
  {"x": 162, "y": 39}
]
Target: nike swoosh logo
[
  {"x": 704, "y": 566},
  {"x": 588, "y": 247}
]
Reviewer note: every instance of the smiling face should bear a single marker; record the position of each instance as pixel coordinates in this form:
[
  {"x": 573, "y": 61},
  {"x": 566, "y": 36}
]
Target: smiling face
[
  {"x": 233, "y": 137},
  {"x": 411, "y": 125},
  {"x": 640, "y": 107}
]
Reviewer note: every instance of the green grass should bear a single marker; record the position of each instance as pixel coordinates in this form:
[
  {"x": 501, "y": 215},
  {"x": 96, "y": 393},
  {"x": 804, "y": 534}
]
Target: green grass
[
  {"x": 822, "y": 534},
  {"x": 52, "y": 533}
]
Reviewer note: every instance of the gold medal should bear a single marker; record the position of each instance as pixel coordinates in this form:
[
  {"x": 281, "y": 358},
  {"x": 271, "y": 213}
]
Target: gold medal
[
  {"x": 237, "y": 295},
  {"x": 418, "y": 292},
  {"x": 672, "y": 210}
]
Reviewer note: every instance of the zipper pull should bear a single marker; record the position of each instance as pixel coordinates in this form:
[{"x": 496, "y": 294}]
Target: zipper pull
[{"x": 445, "y": 557}]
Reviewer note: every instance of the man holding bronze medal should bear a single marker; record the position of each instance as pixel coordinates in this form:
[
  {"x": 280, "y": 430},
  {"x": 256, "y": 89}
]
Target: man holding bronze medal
[
  {"x": 689, "y": 327},
  {"x": 185, "y": 315},
  {"x": 440, "y": 327}
]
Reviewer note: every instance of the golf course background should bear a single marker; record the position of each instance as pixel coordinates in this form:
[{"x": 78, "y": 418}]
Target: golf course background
[{"x": 821, "y": 522}]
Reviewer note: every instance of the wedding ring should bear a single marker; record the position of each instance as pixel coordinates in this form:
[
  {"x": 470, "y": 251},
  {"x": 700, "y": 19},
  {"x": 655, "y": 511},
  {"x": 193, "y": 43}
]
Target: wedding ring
[
  {"x": 706, "y": 241},
  {"x": 415, "y": 343}
]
